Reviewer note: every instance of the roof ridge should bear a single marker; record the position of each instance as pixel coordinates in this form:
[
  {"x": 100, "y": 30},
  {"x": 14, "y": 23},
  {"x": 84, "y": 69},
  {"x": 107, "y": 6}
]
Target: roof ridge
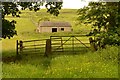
[{"x": 55, "y": 23}]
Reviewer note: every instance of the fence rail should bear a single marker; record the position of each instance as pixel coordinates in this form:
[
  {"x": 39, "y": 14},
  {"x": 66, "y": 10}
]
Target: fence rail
[
  {"x": 34, "y": 40},
  {"x": 68, "y": 43},
  {"x": 30, "y": 46},
  {"x": 54, "y": 44}
]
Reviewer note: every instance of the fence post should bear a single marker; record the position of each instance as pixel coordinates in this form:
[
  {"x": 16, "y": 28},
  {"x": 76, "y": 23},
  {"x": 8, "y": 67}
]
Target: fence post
[
  {"x": 92, "y": 44},
  {"x": 21, "y": 46},
  {"x": 61, "y": 43},
  {"x": 17, "y": 47},
  {"x": 48, "y": 47},
  {"x": 73, "y": 43}
]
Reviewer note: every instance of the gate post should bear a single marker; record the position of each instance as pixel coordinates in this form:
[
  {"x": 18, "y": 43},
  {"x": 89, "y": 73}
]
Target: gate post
[
  {"x": 61, "y": 43},
  {"x": 73, "y": 43},
  {"x": 17, "y": 47},
  {"x": 48, "y": 47},
  {"x": 21, "y": 46},
  {"x": 92, "y": 44}
]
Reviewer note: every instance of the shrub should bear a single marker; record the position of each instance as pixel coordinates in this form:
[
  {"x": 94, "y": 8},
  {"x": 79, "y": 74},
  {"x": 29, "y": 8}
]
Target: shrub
[{"x": 109, "y": 54}]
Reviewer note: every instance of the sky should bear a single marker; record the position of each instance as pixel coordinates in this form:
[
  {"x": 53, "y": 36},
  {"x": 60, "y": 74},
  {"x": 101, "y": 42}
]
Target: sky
[{"x": 72, "y": 4}]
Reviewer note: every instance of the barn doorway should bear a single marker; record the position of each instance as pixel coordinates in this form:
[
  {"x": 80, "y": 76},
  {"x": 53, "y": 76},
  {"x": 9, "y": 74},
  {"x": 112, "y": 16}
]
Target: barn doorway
[
  {"x": 54, "y": 29},
  {"x": 62, "y": 29}
]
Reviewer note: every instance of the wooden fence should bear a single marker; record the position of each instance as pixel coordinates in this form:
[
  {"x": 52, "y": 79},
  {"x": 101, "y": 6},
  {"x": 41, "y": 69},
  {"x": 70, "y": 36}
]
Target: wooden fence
[
  {"x": 69, "y": 43},
  {"x": 31, "y": 46},
  {"x": 54, "y": 44}
]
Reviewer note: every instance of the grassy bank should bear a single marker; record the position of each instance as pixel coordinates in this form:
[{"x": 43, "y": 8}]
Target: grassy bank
[{"x": 82, "y": 65}]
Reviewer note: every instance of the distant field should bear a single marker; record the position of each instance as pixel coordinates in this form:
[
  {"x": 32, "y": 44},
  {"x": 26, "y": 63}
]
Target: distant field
[{"x": 84, "y": 64}]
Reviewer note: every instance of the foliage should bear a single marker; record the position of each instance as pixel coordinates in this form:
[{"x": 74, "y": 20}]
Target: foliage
[
  {"x": 11, "y": 8},
  {"x": 8, "y": 29},
  {"x": 104, "y": 18},
  {"x": 54, "y": 7},
  {"x": 109, "y": 54}
]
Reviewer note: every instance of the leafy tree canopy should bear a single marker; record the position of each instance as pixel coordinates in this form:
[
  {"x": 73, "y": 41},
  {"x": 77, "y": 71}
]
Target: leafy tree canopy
[
  {"x": 8, "y": 28},
  {"x": 104, "y": 17}
]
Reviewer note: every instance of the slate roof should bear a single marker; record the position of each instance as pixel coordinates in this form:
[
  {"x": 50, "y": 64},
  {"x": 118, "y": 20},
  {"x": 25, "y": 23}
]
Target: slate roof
[{"x": 55, "y": 24}]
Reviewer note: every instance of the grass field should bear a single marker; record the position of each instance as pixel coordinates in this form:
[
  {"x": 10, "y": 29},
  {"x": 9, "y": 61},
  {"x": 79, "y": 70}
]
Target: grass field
[{"x": 84, "y": 64}]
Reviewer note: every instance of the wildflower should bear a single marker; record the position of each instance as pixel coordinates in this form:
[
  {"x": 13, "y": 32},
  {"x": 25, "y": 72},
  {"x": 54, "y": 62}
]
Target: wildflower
[
  {"x": 87, "y": 69},
  {"x": 53, "y": 72},
  {"x": 81, "y": 70},
  {"x": 70, "y": 72},
  {"x": 68, "y": 68},
  {"x": 75, "y": 68},
  {"x": 46, "y": 73},
  {"x": 75, "y": 75}
]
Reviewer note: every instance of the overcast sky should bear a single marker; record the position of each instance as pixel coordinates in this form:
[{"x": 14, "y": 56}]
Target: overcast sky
[
  {"x": 74, "y": 4},
  {"x": 71, "y": 4}
]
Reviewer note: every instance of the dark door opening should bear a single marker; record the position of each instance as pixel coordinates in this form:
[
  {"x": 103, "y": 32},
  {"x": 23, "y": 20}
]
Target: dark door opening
[
  {"x": 54, "y": 29},
  {"x": 62, "y": 29}
]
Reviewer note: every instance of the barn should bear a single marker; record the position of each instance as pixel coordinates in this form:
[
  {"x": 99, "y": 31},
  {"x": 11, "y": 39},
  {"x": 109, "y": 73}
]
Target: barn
[{"x": 52, "y": 26}]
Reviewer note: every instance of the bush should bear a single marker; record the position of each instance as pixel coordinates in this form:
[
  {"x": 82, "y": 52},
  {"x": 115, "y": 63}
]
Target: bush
[{"x": 110, "y": 53}]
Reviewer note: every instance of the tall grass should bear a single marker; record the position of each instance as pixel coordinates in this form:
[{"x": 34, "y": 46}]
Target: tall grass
[{"x": 87, "y": 65}]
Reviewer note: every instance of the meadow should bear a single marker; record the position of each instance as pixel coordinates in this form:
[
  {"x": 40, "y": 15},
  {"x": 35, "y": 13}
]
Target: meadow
[{"x": 85, "y": 64}]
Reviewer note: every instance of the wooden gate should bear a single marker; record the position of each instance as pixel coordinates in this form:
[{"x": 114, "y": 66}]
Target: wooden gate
[
  {"x": 69, "y": 43},
  {"x": 54, "y": 44},
  {"x": 31, "y": 46}
]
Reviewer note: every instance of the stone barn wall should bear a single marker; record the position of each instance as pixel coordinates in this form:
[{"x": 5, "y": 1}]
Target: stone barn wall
[
  {"x": 50, "y": 26},
  {"x": 49, "y": 29}
]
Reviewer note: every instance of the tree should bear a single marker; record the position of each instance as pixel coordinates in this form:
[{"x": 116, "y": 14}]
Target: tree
[
  {"x": 8, "y": 28},
  {"x": 104, "y": 18}
]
